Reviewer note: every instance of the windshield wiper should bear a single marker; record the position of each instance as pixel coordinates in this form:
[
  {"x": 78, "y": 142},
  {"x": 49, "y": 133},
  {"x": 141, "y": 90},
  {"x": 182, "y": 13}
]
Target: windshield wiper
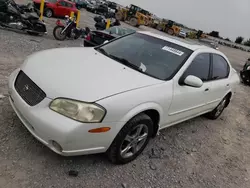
[
  {"x": 126, "y": 62},
  {"x": 102, "y": 51}
]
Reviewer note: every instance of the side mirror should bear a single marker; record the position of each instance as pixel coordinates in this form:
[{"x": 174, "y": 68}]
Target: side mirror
[
  {"x": 106, "y": 41},
  {"x": 193, "y": 81}
]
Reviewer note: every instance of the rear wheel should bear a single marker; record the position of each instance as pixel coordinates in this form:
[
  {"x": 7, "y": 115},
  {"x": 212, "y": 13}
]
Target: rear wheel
[
  {"x": 219, "y": 109},
  {"x": 57, "y": 33},
  {"x": 131, "y": 140},
  {"x": 48, "y": 13}
]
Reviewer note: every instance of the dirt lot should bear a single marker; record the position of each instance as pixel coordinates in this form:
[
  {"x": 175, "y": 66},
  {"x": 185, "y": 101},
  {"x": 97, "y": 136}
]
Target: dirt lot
[{"x": 194, "y": 154}]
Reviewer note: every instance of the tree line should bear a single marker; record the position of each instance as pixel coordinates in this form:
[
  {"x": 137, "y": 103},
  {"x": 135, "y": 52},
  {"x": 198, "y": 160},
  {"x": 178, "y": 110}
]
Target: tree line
[{"x": 238, "y": 40}]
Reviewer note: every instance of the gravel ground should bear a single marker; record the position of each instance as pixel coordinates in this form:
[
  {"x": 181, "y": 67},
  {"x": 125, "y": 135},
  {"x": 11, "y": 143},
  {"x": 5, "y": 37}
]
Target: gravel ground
[{"x": 194, "y": 154}]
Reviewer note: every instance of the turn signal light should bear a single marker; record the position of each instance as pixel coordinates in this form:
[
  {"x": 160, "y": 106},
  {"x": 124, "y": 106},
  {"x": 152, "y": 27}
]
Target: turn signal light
[{"x": 100, "y": 130}]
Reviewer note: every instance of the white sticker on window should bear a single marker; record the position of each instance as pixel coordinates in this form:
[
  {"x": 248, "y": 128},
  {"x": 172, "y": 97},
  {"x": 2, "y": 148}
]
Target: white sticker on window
[{"x": 172, "y": 50}]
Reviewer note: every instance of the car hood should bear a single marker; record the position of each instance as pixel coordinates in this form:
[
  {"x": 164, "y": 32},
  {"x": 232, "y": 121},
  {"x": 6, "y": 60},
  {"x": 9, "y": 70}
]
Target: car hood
[{"x": 82, "y": 74}]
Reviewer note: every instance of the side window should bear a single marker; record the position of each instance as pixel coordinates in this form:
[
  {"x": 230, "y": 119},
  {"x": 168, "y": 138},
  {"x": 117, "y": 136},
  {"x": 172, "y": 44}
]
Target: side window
[
  {"x": 199, "y": 67},
  {"x": 69, "y": 5},
  {"x": 220, "y": 67},
  {"x": 62, "y": 3}
]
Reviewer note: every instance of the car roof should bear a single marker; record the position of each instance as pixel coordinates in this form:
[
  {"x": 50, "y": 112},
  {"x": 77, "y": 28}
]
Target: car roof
[
  {"x": 182, "y": 42},
  {"x": 70, "y": 2}
]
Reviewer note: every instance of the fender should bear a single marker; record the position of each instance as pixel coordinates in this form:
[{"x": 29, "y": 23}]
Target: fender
[
  {"x": 141, "y": 108},
  {"x": 59, "y": 23}
]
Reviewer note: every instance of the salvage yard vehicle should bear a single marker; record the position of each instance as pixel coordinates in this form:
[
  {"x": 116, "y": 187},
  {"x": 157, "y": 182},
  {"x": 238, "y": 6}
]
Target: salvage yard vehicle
[
  {"x": 245, "y": 72},
  {"x": 13, "y": 16},
  {"x": 182, "y": 34},
  {"x": 69, "y": 29},
  {"x": 95, "y": 38},
  {"x": 115, "y": 97},
  {"x": 132, "y": 15},
  {"x": 59, "y": 8},
  {"x": 169, "y": 27}
]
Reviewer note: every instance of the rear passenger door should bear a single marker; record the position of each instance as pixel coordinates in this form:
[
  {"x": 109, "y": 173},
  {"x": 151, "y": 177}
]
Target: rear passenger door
[{"x": 219, "y": 75}]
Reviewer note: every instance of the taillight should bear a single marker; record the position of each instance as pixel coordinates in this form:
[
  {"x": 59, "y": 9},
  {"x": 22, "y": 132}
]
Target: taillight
[{"x": 88, "y": 37}]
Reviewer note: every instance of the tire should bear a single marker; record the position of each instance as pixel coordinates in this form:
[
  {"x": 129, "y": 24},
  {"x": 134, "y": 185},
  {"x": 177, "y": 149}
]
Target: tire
[
  {"x": 133, "y": 22},
  {"x": 219, "y": 109},
  {"x": 48, "y": 13},
  {"x": 119, "y": 16},
  {"x": 57, "y": 35},
  {"x": 244, "y": 78},
  {"x": 170, "y": 31},
  {"x": 128, "y": 138}
]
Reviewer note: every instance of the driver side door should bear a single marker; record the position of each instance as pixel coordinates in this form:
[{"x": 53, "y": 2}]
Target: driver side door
[{"x": 190, "y": 101}]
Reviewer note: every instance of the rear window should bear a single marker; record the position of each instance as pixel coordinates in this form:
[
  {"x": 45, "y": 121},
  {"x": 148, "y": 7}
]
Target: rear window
[{"x": 155, "y": 57}]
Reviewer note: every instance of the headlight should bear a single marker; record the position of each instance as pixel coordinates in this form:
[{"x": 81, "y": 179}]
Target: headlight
[
  {"x": 79, "y": 111},
  {"x": 248, "y": 67}
]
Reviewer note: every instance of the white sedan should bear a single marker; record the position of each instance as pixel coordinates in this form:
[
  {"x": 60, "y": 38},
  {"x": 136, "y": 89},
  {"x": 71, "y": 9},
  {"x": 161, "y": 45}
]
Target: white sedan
[{"x": 115, "y": 97}]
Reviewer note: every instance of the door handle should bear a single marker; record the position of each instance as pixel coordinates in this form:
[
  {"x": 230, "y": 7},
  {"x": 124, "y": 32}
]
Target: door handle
[
  {"x": 227, "y": 85},
  {"x": 206, "y": 89}
]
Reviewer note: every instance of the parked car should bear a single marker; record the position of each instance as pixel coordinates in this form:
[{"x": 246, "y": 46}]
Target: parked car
[
  {"x": 101, "y": 9},
  {"x": 59, "y": 8},
  {"x": 120, "y": 94},
  {"x": 80, "y": 3},
  {"x": 95, "y": 38},
  {"x": 245, "y": 73},
  {"x": 90, "y": 7},
  {"x": 112, "y": 5},
  {"x": 182, "y": 34}
]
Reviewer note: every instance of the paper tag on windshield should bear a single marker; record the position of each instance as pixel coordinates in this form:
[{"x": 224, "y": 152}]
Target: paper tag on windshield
[{"x": 172, "y": 50}]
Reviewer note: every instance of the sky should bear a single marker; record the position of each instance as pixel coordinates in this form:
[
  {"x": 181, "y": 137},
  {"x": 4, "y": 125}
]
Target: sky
[{"x": 230, "y": 17}]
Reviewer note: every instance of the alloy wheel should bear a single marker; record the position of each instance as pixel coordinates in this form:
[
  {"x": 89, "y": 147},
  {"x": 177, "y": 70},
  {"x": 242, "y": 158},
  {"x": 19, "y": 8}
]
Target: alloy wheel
[{"x": 134, "y": 141}]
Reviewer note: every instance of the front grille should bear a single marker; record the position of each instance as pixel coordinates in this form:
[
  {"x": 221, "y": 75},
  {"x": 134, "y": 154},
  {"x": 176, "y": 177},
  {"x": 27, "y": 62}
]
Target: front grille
[{"x": 28, "y": 90}]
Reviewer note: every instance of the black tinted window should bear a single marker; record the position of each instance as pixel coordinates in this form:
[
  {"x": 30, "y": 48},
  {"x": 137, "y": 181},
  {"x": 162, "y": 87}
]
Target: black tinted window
[
  {"x": 62, "y": 3},
  {"x": 220, "y": 67},
  {"x": 155, "y": 57},
  {"x": 69, "y": 5},
  {"x": 199, "y": 67}
]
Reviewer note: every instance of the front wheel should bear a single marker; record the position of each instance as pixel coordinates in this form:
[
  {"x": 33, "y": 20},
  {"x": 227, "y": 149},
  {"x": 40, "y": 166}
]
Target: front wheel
[
  {"x": 57, "y": 33},
  {"x": 131, "y": 140}
]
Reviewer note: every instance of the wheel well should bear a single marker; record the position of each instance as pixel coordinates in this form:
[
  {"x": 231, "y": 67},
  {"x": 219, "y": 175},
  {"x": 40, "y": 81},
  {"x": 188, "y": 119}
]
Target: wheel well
[
  {"x": 229, "y": 95},
  {"x": 48, "y": 9},
  {"x": 155, "y": 116}
]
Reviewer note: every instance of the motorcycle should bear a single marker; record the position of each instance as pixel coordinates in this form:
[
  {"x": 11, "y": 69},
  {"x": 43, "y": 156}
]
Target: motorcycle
[
  {"x": 245, "y": 73},
  {"x": 68, "y": 30},
  {"x": 21, "y": 17},
  {"x": 101, "y": 23}
]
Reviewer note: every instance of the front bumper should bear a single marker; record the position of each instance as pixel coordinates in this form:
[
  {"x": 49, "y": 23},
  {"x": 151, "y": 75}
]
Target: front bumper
[{"x": 50, "y": 127}]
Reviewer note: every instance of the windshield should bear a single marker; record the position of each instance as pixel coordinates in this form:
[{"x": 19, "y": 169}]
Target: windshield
[{"x": 149, "y": 55}]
